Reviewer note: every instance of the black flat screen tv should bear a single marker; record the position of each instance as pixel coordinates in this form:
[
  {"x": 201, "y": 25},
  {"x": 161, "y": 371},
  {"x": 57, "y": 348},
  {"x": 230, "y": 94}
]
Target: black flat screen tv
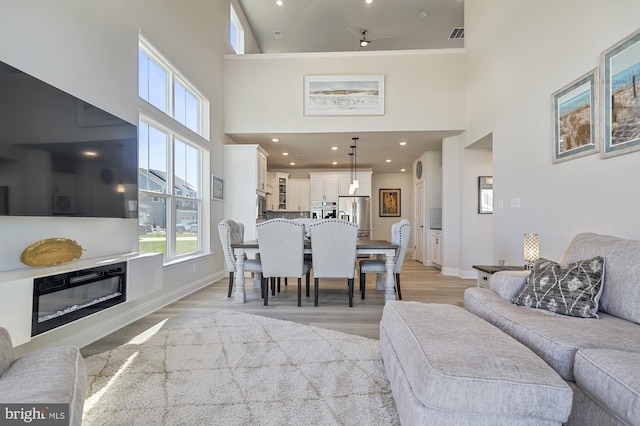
[{"x": 61, "y": 156}]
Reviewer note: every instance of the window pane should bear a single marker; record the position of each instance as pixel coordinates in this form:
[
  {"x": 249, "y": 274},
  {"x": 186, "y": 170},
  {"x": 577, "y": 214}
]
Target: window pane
[
  {"x": 187, "y": 170},
  {"x": 187, "y": 235},
  {"x": 152, "y": 221},
  {"x": 157, "y": 86},
  {"x": 152, "y": 157},
  {"x": 143, "y": 76},
  {"x": 186, "y": 107},
  {"x": 233, "y": 36}
]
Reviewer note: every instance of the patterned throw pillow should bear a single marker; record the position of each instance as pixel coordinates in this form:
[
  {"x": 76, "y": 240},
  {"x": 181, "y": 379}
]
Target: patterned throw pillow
[{"x": 573, "y": 289}]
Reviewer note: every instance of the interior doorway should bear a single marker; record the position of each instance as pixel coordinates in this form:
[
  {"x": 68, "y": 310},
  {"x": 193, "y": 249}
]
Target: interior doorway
[{"x": 418, "y": 233}]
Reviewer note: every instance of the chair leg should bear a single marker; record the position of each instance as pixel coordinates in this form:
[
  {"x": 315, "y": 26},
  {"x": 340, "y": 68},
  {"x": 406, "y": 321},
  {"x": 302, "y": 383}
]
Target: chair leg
[
  {"x": 363, "y": 283},
  {"x": 279, "y": 284},
  {"x": 265, "y": 291},
  {"x": 315, "y": 291},
  {"x": 350, "y": 282},
  {"x": 398, "y": 285},
  {"x": 273, "y": 286},
  {"x": 299, "y": 291},
  {"x": 285, "y": 282},
  {"x": 308, "y": 280},
  {"x": 230, "y": 283}
]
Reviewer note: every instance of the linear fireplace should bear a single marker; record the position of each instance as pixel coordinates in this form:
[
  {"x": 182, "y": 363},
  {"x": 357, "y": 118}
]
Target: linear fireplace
[{"x": 63, "y": 298}]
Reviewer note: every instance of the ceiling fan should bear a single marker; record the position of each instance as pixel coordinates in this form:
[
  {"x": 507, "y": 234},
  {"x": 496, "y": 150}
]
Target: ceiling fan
[{"x": 364, "y": 41}]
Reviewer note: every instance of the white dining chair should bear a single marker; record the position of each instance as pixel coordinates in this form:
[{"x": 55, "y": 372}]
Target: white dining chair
[
  {"x": 333, "y": 252},
  {"x": 400, "y": 234},
  {"x": 231, "y": 232},
  {"x": 281, "y": 244}
]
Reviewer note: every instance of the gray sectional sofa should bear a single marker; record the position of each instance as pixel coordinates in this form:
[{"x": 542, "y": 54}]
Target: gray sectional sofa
[
  {"x": 38, "y": 380},
  {"x": 598, "y": 357}
]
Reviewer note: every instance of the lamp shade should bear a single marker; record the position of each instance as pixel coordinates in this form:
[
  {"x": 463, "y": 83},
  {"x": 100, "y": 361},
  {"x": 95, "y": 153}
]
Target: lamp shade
[{"x": 530, "y": 249}]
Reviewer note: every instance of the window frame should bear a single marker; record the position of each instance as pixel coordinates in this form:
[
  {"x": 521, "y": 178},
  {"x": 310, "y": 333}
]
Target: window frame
[
  {"x": 195, "y": 138},
  {"x": 235, "y": 21}
]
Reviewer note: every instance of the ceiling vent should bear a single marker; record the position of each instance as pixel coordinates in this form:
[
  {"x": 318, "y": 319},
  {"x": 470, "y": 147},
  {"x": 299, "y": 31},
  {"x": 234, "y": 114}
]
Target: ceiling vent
[
  {"x": 278, "y": 35},
  {"x": 457, "y": 33}
]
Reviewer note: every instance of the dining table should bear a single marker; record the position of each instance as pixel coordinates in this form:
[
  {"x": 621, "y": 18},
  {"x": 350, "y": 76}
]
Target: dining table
[{"x": 245, "y": 249}]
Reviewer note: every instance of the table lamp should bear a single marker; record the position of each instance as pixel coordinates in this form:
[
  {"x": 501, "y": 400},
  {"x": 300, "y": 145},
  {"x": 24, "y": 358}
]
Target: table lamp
[{"x": 531, "y": 249}]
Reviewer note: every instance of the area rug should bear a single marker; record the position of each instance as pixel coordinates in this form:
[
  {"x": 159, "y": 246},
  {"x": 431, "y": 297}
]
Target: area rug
[{"x": 233, "y": 368}]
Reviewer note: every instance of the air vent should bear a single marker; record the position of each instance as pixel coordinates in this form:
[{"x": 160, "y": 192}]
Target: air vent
[
  {"x": 278, "y": 35},
  {"x": 457, "y": 33}
]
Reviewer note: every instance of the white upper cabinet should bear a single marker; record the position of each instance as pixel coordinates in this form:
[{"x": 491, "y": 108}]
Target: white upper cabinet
[
  {"x": 298, "y": 195},
  {"x": 328, "y": 186}
]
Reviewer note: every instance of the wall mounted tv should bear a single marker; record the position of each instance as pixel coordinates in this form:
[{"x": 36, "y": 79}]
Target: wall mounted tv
[{"x": 61, "y": 156}]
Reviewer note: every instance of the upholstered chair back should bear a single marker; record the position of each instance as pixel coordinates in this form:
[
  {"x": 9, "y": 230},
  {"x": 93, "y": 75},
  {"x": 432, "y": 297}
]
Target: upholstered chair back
[
  {"x": 281, "y": 244},
  {"x": 333, "y": 248},
  {"x": 400, "y": 234},
  {"x": 230, "y": 232}
]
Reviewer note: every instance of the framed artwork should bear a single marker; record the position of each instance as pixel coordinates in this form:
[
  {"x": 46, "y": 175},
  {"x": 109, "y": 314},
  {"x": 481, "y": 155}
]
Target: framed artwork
[
  {"x": 344, "y": 95},
  {"x": 621, "y": 96},
  {"x": 217, "y": 186},
  {"x": 574, "y": 118},
  {"x": 389, "y": 203}
]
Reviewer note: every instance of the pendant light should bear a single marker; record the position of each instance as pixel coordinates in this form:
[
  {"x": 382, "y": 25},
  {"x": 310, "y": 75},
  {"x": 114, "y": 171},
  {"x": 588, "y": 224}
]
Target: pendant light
[{"x": 355, "y": 182}]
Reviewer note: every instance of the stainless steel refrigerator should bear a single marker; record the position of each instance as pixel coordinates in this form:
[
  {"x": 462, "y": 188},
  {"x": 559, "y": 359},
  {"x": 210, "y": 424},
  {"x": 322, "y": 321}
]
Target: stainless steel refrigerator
[{"x": 357, "y": 210}]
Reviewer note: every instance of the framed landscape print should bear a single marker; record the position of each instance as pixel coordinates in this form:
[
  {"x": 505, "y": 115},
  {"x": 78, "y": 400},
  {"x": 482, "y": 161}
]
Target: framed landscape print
[
  {"x": 344, "y": 95},
  {"x": 621, "y": 96},
  {"x": 389, "y": 203},
  {"x": 575, "y": 117}
]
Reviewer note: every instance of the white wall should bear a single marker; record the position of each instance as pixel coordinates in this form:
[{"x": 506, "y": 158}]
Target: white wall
[
  {"x": 424, "y": 90},
  {"x": 519, "y": 53},
  {"x": 381, "y": 226},
  {"x": 89, "y": 49}
]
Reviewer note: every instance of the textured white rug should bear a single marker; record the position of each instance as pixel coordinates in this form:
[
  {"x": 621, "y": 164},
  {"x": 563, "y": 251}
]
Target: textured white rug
[{"x": 238, "y": 369}]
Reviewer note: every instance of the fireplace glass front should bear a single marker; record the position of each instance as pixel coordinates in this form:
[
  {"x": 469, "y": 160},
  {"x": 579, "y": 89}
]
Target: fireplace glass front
[{"x": 62, "y": 298}]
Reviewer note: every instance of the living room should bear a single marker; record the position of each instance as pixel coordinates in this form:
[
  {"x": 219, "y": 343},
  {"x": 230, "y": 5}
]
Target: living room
[{"x": 516, "y": 55}]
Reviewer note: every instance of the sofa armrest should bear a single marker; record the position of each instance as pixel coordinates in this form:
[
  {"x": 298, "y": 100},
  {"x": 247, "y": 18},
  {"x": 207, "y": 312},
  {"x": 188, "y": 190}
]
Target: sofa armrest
[
  {"x": 508, "y": 284},
  {"x": 6, "y": 350}
]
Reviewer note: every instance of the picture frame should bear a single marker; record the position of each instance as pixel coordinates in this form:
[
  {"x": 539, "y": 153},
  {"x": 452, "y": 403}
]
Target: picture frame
[
  {"x": 217, "y": 188},
  {"x": 343, "y": 95},
  {"x": 389, "y": 200},
  {"x": 620, "y": 65},
  {"x": 575, "y": 117},
  {"x": 485, "y": 194}
]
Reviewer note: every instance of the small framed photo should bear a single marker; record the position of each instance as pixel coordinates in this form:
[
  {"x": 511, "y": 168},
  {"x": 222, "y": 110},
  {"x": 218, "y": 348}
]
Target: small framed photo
[
  {"x": 389, "y": 203},
  {"x": 574, "y": 118},
  {"x": 621, "y": 96},
  {"x": 217, "y": 188}
]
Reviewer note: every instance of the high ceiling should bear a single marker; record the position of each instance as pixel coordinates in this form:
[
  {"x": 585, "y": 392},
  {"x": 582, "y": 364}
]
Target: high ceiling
[{"x": 336, "y": 26}]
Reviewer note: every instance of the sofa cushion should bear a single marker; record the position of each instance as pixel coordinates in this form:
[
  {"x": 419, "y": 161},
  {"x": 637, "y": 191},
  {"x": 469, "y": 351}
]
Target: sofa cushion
[
  {"x": 6, "y": 351},
  {"x": 572, "y": 289},
  {"x": 57, "y": 375},
  {"x": 442, "y": 352},
  {"x": 612, "y": 378},
  {"x": 553, "y": 337},
  {"x": 621, "y": 286}
]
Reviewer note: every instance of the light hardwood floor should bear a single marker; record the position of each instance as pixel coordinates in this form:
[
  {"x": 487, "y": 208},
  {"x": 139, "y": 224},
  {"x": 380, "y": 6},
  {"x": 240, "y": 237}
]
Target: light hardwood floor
[{"x": 418, "y": 282}]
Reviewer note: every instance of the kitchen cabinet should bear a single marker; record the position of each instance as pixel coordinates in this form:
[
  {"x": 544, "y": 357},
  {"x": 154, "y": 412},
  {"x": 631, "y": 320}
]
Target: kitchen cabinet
[
  {"x": 298, "y": 195},
  {"x": 281, "y": 190},
  {"x": 328, "y": 186},
  {"x": 245, "y": 177},
  {"x": 436, "y": 246}
]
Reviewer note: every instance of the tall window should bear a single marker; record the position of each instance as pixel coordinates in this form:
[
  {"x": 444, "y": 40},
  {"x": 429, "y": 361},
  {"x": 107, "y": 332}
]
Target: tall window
[
  {"x": 171, "y": 155},
  {"x": 236, "y": 32}
]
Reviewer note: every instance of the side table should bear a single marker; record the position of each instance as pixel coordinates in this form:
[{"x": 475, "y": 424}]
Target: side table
[{"x": 485, "y": 272}]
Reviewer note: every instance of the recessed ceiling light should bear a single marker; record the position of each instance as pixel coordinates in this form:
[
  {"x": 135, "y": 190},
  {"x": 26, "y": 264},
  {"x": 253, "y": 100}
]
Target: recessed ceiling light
[
  {"x": 285, "y": 153},
  {"x": 335, "y": 163},
  {"x": 403, "y": 170},
  {"x": 403, "y": 143},
  {"x": 423, "y": 14},
  {"x": 388, "y": 160},
  {"x": 368, "y": 1},
  {"x": 279, "y": 2},
  {"x": 334, "y": 148},
  {"x": 275, "y": 140},
  {"x": 292, "y": 164}
]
